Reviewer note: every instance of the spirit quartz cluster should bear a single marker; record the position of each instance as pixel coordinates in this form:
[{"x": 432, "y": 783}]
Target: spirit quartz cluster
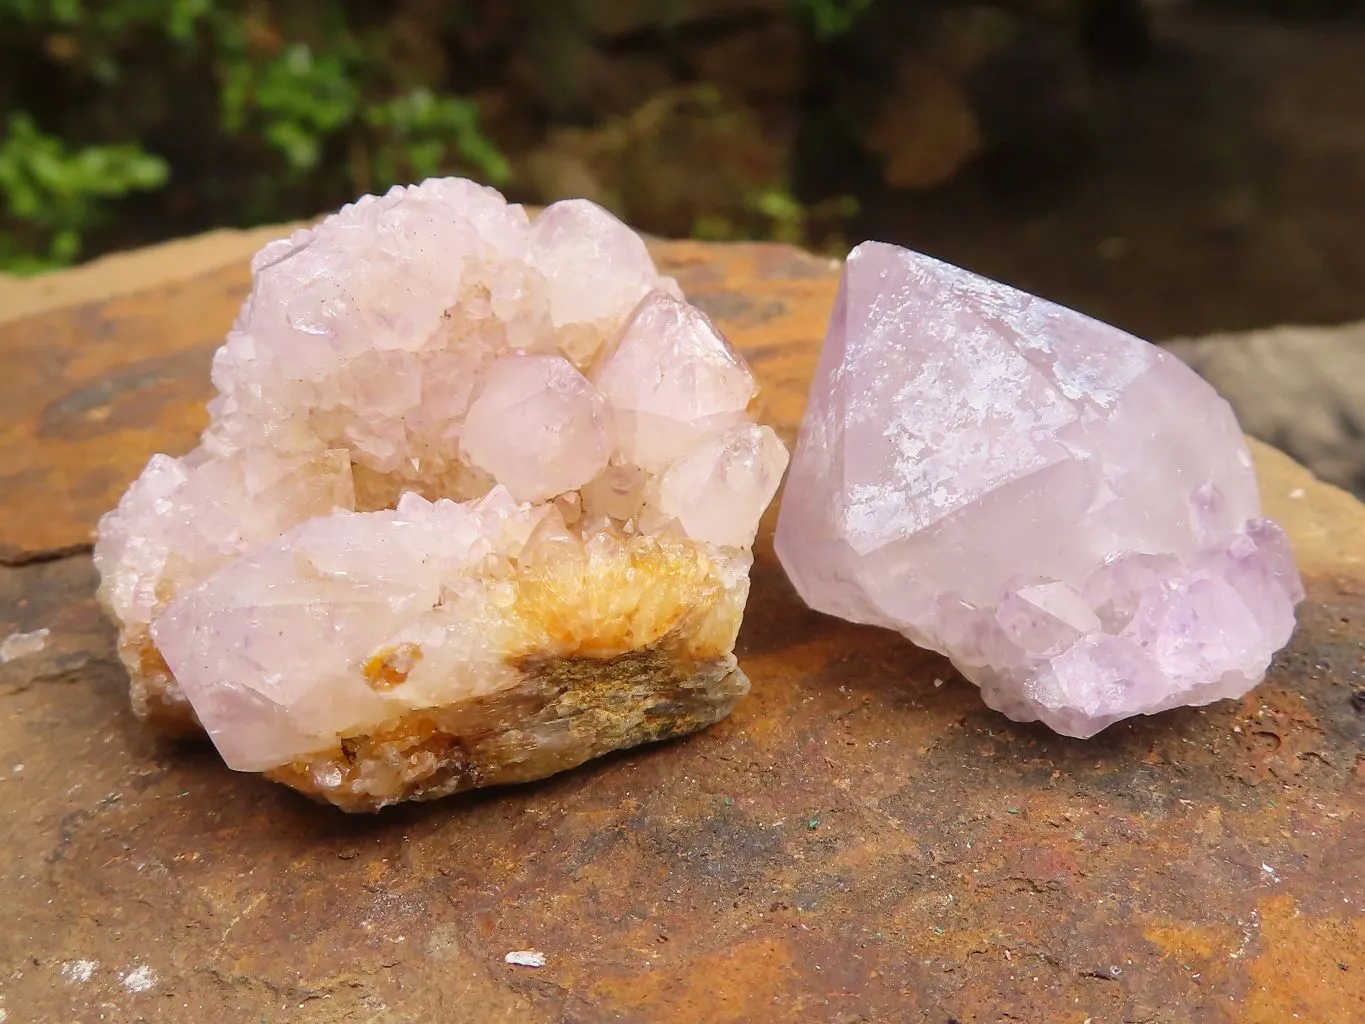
[
  {"x": 475, "y": 504},
  {"x": 1068, "y": 513}
]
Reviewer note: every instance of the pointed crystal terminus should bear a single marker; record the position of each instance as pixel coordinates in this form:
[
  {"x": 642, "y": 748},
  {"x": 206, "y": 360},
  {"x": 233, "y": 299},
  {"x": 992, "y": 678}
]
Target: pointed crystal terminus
[{"x": 1068, "y": 513}]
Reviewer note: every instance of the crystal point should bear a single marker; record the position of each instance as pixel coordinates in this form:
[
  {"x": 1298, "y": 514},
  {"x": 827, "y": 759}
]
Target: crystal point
[
  {"x": 538, "y": 427},
  {"x": 672, "y": 379},
  {"x": 1067, "y": 512}
]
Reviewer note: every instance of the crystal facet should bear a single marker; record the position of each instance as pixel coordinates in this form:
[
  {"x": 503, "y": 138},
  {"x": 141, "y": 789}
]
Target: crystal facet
[
  {"x": 1067, "y": 512},
  {"x": 475, "y": 504}
]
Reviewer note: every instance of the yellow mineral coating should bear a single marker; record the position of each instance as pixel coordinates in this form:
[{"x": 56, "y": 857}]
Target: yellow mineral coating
[
  {"x": 388, "y": 668},
  {"x": 610, "y": 595}
]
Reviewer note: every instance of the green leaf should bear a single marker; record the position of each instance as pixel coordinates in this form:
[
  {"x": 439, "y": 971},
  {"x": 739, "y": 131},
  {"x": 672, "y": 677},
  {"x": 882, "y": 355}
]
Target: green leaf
[
  {"x": 184, "y": 17},
  {"x": 59, "y": 190},
  {"x": 66, "y": 12},
  {"x": 780, "y": 205},
  {"x": 66, "y": 244},
  {"x": 300, "y": 147},
  {"x": 419, "y": 128},
  {"x": 830, "y": 18}
]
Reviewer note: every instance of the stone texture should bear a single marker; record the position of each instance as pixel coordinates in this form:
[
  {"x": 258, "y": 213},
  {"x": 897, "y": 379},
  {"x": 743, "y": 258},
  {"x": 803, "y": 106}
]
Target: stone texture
[
  {"x": 1301, "y": 389},
  {"x": 410, "y": 503},
  {"x": 21, "y": 645},
  {"x": 891, "y": 850},
  {"x": 1064, "y": 510}
]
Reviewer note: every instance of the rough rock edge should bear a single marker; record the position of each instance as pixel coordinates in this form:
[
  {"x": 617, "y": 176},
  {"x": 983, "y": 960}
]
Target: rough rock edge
[
  {"x": 122, "y": 273},
  {"x": 152, "y": 690},
  {"x": 566, "y": 711},
  {"x": 601, "y": 684}
]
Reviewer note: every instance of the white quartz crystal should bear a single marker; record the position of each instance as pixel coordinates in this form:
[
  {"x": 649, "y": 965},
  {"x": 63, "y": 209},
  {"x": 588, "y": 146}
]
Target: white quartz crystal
[{"x": 450, "y": 444}]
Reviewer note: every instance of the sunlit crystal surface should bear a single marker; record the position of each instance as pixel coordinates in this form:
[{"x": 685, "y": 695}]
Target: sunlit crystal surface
[
  {"x": 1067, "y": 512},
  {"x": 450, "y": 444}
]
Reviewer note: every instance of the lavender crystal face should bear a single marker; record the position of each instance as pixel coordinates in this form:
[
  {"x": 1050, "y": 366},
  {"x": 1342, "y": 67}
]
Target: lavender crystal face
[
  {"x": 475, "y": 504},
  {"x": 1067, "y": 512}
]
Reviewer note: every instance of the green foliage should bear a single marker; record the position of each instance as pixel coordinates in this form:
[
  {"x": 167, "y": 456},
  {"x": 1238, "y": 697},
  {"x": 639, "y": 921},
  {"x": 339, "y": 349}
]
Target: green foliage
[
  {"x": 776, "y": 214},
  {"x": 830, "y": 18},
  {"x": 422, "y": 130},
  {"x": 311, "y": 110},
  {"x": 101, "y": 18},
  {"x": 58, "y": 190},
  {"x": 296, "y": 100},
  {"x": 139, "y": 119}
]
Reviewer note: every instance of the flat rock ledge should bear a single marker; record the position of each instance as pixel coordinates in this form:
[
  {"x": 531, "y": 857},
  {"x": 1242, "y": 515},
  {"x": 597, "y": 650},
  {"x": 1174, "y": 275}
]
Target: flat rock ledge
[{"x": 860, "y": 839}]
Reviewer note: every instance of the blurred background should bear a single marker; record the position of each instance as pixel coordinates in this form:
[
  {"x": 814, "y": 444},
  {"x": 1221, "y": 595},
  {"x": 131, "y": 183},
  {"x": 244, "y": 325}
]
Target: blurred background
[{"x": 1177, "y": 167}]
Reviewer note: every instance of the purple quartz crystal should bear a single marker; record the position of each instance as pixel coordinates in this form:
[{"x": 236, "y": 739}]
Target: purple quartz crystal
[{"x": 1067, "y": 512}]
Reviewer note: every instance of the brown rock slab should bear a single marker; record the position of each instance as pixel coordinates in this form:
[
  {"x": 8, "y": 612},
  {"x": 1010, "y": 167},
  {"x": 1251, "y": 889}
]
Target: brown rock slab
[{"x": 862, "y": 840}]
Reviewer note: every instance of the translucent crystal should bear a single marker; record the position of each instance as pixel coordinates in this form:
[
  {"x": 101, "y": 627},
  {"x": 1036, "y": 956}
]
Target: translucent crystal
[
  {"x": 719, "y": 490},
  {"x": 1067, "y": 512},
  {"x": 538, "y": 427},
  {"x": 429, "y": 540},
  {"x": 672, "y": 380}
]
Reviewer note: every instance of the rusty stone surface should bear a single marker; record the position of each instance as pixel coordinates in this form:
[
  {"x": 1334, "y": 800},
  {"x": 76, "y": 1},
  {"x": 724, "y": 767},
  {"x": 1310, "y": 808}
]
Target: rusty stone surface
[{"x": 861, "y": 841}]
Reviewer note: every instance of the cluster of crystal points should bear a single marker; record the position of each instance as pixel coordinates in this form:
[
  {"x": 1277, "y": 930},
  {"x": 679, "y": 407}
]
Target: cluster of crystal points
[
  {"x": 455, "y": 453},
  {"x": 1067, "y": 512}
]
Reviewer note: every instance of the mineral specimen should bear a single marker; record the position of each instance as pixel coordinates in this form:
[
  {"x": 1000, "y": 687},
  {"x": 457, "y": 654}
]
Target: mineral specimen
[
  {"x": 1065, "y": 511},
  {"x": 475, "y": 504}
]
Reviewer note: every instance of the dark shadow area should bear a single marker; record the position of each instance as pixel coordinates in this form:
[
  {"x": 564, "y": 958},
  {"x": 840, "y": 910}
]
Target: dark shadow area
[
  {"x": 775, "y": 613},
  {"x": 1217, "y": 187},
  {"x": 1175, "y": 169}
]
